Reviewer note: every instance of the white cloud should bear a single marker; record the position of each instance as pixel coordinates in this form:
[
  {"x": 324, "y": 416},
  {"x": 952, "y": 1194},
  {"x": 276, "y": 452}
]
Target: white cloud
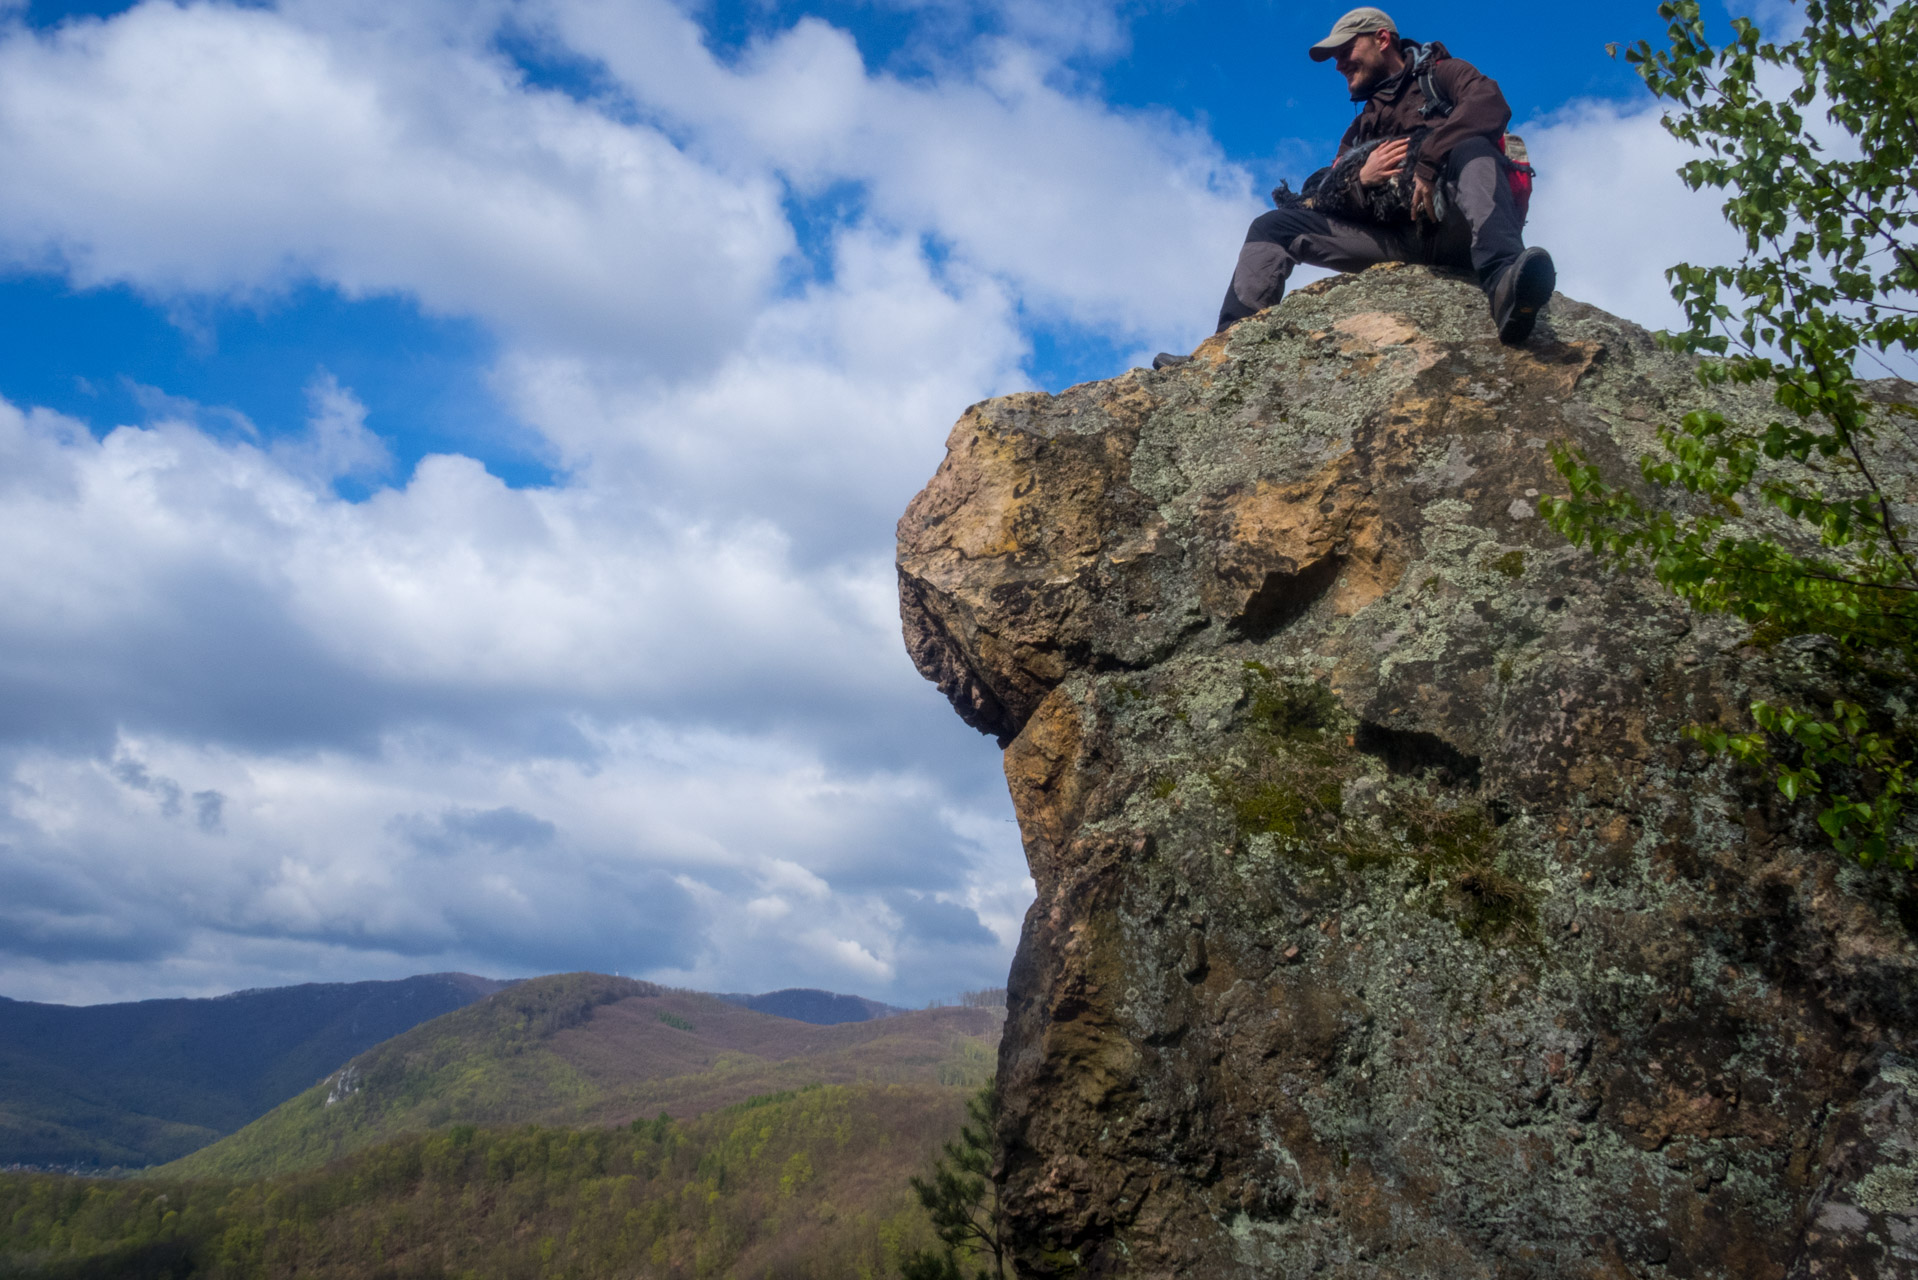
[
  {"x": 336, "y": 444},
  {"x": 1611, "y": 208},
  {"x": 632, "y": 860},
  {"x": 1110, "y": 220},
  {"x": 453, "y": 587},
  {"x": 824, "y": 422},
  {"x": 217, "y": 149},
  {"x": 265, "y": 732},
  {"x": 243, "y": 708}
]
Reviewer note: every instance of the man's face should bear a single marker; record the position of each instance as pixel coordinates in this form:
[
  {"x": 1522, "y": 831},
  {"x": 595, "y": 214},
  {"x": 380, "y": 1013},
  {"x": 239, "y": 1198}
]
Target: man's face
[{"x": 1365, "y": 61}]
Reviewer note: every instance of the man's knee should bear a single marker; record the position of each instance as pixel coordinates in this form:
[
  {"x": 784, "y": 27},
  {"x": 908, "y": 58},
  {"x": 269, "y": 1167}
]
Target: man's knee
[
  {"x": 1476, "y": 147},
  {"x": 1278, "y": 226},
  {"x": 1475, "y": 180}
]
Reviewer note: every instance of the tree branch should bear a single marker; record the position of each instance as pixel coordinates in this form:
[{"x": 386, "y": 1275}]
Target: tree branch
[{"x": 1887, "y": 523}]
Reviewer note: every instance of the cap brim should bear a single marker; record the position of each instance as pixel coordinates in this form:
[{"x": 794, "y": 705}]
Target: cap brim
[{"x": 1326, "y": 50}]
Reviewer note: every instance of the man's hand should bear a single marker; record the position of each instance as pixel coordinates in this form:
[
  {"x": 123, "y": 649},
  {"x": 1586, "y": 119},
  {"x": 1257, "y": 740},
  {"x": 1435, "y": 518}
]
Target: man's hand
[
  {"x": 1386, "y": 160},
  {"x": 1422, "y": 200}
]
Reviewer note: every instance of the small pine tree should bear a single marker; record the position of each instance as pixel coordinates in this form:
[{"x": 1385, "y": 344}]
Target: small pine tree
[{"x": 962, "y": 1201}]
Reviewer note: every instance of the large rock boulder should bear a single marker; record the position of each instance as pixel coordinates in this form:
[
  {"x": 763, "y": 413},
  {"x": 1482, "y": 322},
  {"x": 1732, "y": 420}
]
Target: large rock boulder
[{"x": 1386, "y": 924}]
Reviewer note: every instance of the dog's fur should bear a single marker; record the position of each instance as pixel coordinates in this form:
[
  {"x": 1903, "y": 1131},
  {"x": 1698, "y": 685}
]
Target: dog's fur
[{"x": 1336, "y": 192}]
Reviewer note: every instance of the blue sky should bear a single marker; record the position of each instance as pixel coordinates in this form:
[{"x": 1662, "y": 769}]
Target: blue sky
[{"x": 451, "y": 448}]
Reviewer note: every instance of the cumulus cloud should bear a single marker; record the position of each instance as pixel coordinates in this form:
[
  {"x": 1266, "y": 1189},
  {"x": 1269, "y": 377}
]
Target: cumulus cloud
[
  {"x": 1110, "y": 220},
  {"x": 167, "y": 581},
  {"x": 1610, "y": 206},
  {"x": 454, "y": 725},
  {"x": 336, "y": 444},
  {"x": 218, "y": 149},
  {"x": 829, "y": 415},
  {"x": 653, "y": 845},
  {"x": 251, "y": 724}
]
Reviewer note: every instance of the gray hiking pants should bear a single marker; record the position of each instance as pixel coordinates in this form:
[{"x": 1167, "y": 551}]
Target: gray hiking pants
[{"x": 1481, "y": 231}]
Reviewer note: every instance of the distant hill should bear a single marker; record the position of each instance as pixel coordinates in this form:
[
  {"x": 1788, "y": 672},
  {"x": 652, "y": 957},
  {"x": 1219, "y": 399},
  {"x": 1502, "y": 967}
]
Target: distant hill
[
  {"x": 803, "y": 1183},
  {"x": 592, "y": 1050},
  {"x": 809, "y": 1004},
  {"x": 138, "y": 1084}
]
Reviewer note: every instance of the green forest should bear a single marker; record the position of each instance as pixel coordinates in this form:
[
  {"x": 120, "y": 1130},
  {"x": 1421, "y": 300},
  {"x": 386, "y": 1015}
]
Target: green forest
[
  {"x": 812, "y": 1182},
  {"x": 585, "y": 1051}
]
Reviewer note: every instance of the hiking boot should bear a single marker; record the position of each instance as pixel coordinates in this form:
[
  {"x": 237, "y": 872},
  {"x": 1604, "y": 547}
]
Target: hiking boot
[
  {"x": 1166, "y": 360},
  {"x": 1523, "y": 288}
]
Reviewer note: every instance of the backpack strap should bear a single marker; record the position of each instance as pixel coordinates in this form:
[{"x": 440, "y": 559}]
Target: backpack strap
[{"x": 1436, "y": 102}]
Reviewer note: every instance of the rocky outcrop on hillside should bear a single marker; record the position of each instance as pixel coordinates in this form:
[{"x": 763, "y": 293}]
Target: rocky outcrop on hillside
[{"x": 1386, "y": 925}]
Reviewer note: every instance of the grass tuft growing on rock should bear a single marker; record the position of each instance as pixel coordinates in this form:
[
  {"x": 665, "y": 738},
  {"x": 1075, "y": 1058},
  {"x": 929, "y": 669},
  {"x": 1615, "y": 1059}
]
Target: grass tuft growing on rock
[
  {"x": 1291, "y": 793},
  {"x": 1460, "y": 850},
  {"x": 1298, "y": 711},
  {"x": 1511, "y": 564}
]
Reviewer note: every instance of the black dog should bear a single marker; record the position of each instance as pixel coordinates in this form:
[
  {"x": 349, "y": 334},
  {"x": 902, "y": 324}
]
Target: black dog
[{"x": 1335, "y": 191}]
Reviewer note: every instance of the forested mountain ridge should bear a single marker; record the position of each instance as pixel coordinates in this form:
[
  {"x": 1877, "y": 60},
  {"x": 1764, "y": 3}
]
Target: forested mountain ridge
[
  {"x": 577, "y": 1125},
  {"x": 591, "y": 1050},
  {"x": 803, "y": 1183},
  {"x": 809, "y": 1004},
  {"x": 140, "y": 1083}
]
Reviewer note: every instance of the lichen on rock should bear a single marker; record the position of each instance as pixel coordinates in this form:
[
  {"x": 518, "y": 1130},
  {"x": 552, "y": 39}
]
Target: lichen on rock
[{"x": 1386, "y": 925}]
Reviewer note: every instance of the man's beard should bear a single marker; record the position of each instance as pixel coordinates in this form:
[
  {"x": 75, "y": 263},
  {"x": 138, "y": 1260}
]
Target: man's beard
[{"x": 1368, "y": 83}]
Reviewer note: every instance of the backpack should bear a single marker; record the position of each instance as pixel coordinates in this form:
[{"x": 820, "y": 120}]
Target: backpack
[{"x": 1515, "y": 161}]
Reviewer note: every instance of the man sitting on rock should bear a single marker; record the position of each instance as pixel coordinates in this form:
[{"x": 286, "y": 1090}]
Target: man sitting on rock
[{"x": 1413, "y": 182}]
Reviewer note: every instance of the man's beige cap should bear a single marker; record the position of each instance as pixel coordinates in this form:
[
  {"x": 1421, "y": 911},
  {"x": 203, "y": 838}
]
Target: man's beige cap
[{"x": 1359, "y": 22}]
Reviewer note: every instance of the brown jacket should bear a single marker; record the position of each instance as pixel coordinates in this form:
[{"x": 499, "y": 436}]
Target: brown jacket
[{"x": 1393, "y": 110}]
